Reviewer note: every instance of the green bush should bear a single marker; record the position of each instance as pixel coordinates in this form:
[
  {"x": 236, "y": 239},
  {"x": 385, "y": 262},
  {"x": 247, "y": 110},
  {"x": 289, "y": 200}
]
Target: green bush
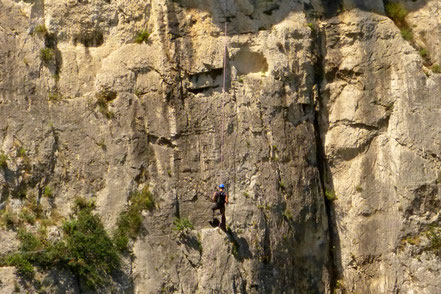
[
  {"x": 396, "y": 12},
  {"x": 91, "y": 253},
  {"x": 129, "y": 221},
  {"x": 142, "y": 36},
  {"x": 24, "y": 267},
  {"x": 182, "y": 225},
  {"x": 85, "y": 248},
  {"x": 436, "y": 68},
  {"x": 3, "y": 160},
  {"x": 47, "y": 54}
]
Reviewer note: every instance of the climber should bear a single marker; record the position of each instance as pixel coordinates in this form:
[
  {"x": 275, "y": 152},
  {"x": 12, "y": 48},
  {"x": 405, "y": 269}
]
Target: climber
[{"x": 220, "y": 198}]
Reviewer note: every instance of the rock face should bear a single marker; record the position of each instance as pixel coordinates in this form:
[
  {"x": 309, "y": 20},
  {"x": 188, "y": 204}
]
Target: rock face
[
  {"x": 102, "y": 98},
  {"x": 381, "y": 138}
]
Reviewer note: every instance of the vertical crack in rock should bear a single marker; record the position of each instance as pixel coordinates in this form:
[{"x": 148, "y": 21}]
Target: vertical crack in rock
[{"x": 319, "y": 48}]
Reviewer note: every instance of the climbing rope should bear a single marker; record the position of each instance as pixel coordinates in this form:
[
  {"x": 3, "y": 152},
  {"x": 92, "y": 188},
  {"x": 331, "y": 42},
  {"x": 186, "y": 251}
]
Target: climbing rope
[{"x": 222, "y": 98}]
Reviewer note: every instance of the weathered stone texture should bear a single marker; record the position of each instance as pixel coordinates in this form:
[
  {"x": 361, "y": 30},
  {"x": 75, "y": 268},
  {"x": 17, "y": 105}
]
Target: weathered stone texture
[
  {"x": 316, "y": 98},
  {"x": 381, "y": 137}
]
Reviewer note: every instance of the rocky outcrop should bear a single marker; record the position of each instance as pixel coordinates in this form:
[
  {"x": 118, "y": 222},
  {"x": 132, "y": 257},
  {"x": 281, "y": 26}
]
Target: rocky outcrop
[
  {"x": 101, "y": 116},
  {"x": 104, "y": 98},
  {"x": 381, "y": 138}
]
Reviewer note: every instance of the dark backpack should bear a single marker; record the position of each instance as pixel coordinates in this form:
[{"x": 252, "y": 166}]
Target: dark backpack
[{"x": 220, "y": 198}]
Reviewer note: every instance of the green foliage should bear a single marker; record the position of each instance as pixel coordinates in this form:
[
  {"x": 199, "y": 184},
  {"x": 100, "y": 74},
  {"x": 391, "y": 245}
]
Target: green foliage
[
  {"x": 436, "y": 68},
  {"x": 287, "y": 214},
  {"x": 246, "y": 194},
  {"x": 434, "y": 235},
  {"x": 424, "y": 53},
  {"x": 81, "y": 203},
  {"x": 21, "y": 152},
  {"x": 396, "y": 12},
  {"x": 142, "y": 36},
  {"x": 4, "y": 160},
  {"x": 27, "y": 216},
  {"x": 9, "y": 218},
  {"x": 312, "y": 26},
  {"x": 48, "y": 192},
  {"x": 406, "y": 33},
  {"x": 330, "y": 195},
  {"x": 55, "y": 97},
  {"x": 129, "y": 222},
  {"x": 24, "y": 267},
  {"x": 359, "y": 189},
  {"x": 91, "y": 253},
  {"x": 182, "y": 225},
  {"x": 282, "y": 184},
  {"x": 47, "y": 54},
  {"x": 85, "y": 248},
  {"x": 40, "y": 29}
]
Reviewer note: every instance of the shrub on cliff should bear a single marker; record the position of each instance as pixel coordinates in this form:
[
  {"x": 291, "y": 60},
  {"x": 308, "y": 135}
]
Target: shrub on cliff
[
  {"x": 85, "y": 248},
  {"x": 130, "y": 220}
]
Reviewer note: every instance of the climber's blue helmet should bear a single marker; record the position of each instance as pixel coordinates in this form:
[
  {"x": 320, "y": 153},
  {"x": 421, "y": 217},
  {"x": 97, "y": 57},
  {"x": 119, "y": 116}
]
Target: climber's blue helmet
[{"x": 221, "y": 186}]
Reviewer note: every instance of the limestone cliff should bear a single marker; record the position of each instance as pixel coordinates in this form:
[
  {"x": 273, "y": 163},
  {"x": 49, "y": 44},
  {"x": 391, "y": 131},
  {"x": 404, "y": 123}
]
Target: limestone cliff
[{"x": 327, "y": 138}]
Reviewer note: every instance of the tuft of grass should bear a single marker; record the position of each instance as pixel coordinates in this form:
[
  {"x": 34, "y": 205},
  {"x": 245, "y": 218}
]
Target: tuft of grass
[
  {"x": 182, "y": 225},
  {"x": 21, "y": 152},
  {"x": 4, "y": 160},
  {"x": 81, "y": 203},
  {"x": 246, "y": 194},
  {"x": 47, "y": 192},
  {"x": 312, "y": 26},
  {"x": 359, "y": 189},
  {"x": 47, "y": 54},
  {"x": 27, "y": 216},
  {"x": 129, "y": 221},
  {"x": 436, "y": 68},
  {"x": 397, "y": 12},
  {"x": 423, "y": 52},
  {"x": 282, "y": 184},
  {"x": 22, "y": 264},
  {"x": 102, "y": 100},
  {"x": 141, "y": 37},
  {"x": 330, "y": 195},
  {"x": 287, "y": 214},
  {"x": 407, "y": 34},
  {"x": 55, "y": 97},
  {"x": 434, "y": 236},
  {"x": 9, "y": 218},
  {"x": 40, "y": 29}
]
